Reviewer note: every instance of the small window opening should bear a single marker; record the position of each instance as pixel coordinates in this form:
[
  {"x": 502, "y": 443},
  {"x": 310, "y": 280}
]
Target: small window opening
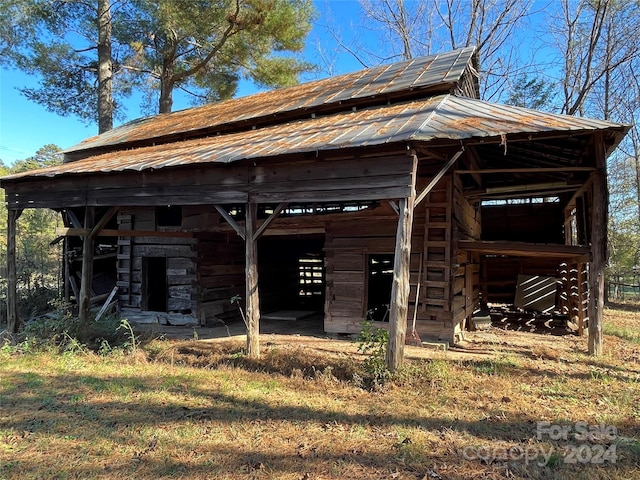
[
  {"x": 379, "y": 282},
  {"x": 169, "y": 216}
]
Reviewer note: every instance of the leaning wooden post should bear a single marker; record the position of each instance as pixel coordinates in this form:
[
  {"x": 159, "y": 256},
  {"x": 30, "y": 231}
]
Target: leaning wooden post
[
  {"x": 400, "y": 287},
  {"x": 599, "y": 210},
  {"x": 251, "y": 268},
  {"x": 84, "y": 302},
  {"x": 13, "y": 322}
]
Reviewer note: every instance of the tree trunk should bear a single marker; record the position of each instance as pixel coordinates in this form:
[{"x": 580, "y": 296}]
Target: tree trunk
[
  {"x": 166, "y": 96},
  {"x": 167, "y": 80},
  {"x": 105, "y": 68}
]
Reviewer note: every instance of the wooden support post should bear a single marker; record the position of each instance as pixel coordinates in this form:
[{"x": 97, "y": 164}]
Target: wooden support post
[
  {"x": 400, "y": 287},
  {"x": 84, "y": 302},
  {"x": 13, "y": 322},
  {"x": 251, "y": 269},
  {"x": 598, "y": 224},
  {"x": 66, "y": 269}
]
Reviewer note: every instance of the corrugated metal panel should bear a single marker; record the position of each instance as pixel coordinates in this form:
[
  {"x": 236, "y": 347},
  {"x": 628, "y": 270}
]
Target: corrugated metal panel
[
  {"x": 443, "y": 117},
  {"x": 417, "y": 73},
  {"x": 459, "y": 118}
]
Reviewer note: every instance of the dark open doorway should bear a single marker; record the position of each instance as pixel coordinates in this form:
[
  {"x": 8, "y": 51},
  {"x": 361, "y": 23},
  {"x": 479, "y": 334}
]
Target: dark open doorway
[
  {"x": 154, "y": 284},
  {"x": 379, "y": 282},
  {"x": 291, "y": 272}
]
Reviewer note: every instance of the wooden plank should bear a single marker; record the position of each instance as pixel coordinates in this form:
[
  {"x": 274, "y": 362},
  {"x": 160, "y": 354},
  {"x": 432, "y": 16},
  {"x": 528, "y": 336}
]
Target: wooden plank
[
  {"x": 525, "y": 170},
  {"x": 231, "y": 221},
  {"x": 79, "y": 232},
  {"x": 525, "y": 249},
  {"x": 437, "y": 177},
  {"x": 106, "y": 303},
  {"x": 103, "y": 221},
  {"x": 270, "y": 219}
]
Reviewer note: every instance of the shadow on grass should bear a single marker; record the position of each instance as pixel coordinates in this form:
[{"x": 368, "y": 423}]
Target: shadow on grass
[{"x": 121, "y": 410}]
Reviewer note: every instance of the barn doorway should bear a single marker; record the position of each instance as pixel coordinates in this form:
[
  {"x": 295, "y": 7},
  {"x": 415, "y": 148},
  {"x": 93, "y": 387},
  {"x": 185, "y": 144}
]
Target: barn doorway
[
  {"x": 154, "y": 284},
  {"x": 379, "y": 283},
  {"x": 292, "y": 277}
]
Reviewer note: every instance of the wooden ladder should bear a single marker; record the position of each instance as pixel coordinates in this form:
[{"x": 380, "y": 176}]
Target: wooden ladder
[
  {"x": 124, "y": 261},
  {"x": 437, "y": 249}
]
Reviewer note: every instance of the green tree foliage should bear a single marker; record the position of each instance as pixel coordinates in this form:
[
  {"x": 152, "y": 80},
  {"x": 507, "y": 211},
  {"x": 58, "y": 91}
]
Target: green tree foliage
[
  {"x": 530, "y": 92},
  {"x": 205, "y": 47},
  {"x": 37, "y": 261}
]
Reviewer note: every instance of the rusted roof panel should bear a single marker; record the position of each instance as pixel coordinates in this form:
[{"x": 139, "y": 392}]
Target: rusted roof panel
[
  {"x": 441, "y": 69},
  {"x": 445, "y": 117}
]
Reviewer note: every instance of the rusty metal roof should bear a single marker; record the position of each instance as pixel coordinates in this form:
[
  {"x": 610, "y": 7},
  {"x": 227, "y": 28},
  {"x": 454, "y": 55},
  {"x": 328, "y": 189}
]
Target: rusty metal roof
[
  {"x": 444, "y": 69},
  {"x": 444, "y": 117}
]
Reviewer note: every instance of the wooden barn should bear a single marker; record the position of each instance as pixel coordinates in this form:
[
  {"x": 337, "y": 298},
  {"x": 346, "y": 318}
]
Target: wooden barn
[{"x": 392, "y": 194}]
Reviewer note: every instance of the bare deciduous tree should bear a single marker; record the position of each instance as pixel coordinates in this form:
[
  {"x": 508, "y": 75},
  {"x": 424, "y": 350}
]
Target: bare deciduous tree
[{"x": 404, "y": 29}]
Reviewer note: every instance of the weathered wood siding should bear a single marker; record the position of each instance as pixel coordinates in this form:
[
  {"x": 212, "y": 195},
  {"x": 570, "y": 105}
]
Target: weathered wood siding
[
  {"x": 466, "y": 274},
  {"x": 180, "y": 257},
  {"x": 348, "y": 244},
  {"x": 313, "y": 180},
  {"x": 220, "y": 276}
]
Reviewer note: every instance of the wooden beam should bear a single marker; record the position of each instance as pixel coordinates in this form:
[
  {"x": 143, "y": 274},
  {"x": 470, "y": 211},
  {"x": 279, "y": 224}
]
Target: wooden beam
[
  {"x": 520, "y": 193},
  {"x": 251, "y": 269},
  {"x": 437, "y": 178},
  {"x": 73, "y": 218},
  {"x": 394, "y": 206},
  {"x": 480, "y": 171},
  {"x": 103, "y": 221},
  {"x": 598, "y": 248},
  {"x": 523, "y": 249},
  {"x": 106, "y": 232},
  {"x": 223, "y": 213},
  {"x": 270, "y": 219},
  {"x": 400, "y": 287},
  {"x": 586, "y": 185},
  {"x": 84, "y": 302},
  {"x": 13, "y": 321}
]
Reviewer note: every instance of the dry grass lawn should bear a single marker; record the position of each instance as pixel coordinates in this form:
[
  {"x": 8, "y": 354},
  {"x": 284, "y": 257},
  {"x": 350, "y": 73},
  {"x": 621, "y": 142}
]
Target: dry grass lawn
[{"x": 200, "y": 409}]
